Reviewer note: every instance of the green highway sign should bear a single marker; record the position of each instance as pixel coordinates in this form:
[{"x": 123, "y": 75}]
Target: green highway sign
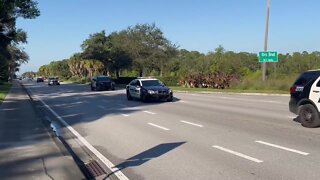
[{"x": 268, "y": 56}]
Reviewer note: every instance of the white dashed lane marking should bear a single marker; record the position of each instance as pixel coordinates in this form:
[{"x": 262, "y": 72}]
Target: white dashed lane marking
[
  {"x": 160, "y": 127},
  {"x": 190, "y": 123},
  {"x": 149, "y": 112},
  {"x": 125, "y": 115},
  {"x": 238, "y": 154},
  {"x": 283, "y": 148}
]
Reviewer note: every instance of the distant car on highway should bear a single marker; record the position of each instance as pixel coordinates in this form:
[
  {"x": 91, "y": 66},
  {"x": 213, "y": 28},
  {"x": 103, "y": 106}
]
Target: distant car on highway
[
  {"x": 53, "y": 81},
  {"x": 99, "y": 83},
  {"x": 305, "y": 98},
  {"x": 40, "y": 79},
  {"x": 148, "y": 89}
]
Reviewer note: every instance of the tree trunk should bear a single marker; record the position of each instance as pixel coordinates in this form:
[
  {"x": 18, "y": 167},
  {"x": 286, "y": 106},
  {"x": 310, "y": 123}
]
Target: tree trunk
[{"x": 117, "y": 73}]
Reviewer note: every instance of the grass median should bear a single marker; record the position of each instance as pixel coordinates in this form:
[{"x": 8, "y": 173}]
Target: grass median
[{"x": 4, "y": 89}]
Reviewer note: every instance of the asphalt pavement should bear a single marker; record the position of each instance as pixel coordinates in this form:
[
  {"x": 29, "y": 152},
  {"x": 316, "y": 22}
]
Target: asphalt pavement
[
  {"x": 197, "y": 136},
  {"x": 27, "y": 150}
]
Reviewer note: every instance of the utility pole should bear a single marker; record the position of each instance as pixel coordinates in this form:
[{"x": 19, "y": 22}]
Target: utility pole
[{"x": 264, "y": 65}]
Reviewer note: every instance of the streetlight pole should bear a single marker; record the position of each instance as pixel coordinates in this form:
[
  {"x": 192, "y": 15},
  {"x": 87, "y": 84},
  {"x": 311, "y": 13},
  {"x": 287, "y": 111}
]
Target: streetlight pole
[{"x": 264, "y": 65}]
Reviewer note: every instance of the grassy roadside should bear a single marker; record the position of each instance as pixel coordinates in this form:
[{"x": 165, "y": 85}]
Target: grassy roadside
[
  {"x": 177, "y": 88},
  {"x": 4, "y": 89}
]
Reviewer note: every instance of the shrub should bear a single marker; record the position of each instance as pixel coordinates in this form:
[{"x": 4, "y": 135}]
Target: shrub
[{"x": 169, "y": 80}]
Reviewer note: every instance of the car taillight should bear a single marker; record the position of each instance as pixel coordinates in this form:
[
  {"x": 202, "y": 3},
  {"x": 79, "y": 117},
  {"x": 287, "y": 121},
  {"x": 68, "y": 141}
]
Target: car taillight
[
  {"x": 296, "y": 89},
  {"x": 293, "y": 89}
]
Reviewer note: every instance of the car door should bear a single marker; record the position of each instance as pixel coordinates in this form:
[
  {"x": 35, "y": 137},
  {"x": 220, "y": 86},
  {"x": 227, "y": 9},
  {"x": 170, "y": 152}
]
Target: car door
[
  {"x": 132, "y": 88},
  {"x": 137, "y": 89},
  {"x": 315, "y": 93}
]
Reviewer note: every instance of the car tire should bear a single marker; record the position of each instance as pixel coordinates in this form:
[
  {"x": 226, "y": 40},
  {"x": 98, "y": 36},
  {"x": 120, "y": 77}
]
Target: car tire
[
  {"x": 309, "y": 116},
  {"x": 170, "y": 99},
  {"x": 112, "y": 88},
  {"x": 92, "y": 89},
  {"x": 129, "y": 97}
]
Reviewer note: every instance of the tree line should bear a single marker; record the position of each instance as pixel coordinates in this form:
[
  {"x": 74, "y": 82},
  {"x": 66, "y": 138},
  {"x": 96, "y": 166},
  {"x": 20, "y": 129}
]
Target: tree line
[
  {"x": 143, "y": 50},
  {"x": 12, "y": 54}
]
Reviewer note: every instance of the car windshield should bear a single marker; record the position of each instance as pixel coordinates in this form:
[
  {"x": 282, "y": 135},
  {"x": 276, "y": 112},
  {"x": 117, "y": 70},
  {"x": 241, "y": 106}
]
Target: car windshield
[
  {"x": 103, "y": 78},
  {"x": 147, "y": 83}
]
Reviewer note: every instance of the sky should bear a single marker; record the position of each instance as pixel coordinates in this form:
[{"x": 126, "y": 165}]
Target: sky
[{"x": 201, "y": 25}]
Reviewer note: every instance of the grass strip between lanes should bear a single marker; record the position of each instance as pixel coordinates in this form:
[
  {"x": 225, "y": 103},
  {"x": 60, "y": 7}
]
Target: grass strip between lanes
[{"x": 4, "y": 89}]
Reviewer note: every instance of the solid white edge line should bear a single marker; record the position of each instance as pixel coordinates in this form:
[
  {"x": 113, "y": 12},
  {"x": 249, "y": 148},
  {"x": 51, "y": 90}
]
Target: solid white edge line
[
  {"x": 194, "y": 124},
  {"x": 283, "y": 148},
  {"x": 238, "y": 154},
  {"x": 108, "y": 163},
  {"x": 163, "y": 128},
  {"x": 150, "y": 112}
]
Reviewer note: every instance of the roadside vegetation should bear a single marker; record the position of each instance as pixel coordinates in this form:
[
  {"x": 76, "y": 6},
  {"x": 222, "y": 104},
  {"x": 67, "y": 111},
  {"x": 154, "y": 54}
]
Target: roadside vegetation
[
  {"x": 143, "y": 50},
  {"x": 4, "y": 89},
  {"x": 12, "y": 54}
]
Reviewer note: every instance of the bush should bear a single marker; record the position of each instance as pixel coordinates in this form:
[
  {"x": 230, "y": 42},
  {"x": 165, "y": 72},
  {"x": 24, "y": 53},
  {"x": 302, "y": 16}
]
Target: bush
[
  {"x": 169, "y": 80},
  {"x": 272, "y": 83},
  {"x": 79, "y": 80}
]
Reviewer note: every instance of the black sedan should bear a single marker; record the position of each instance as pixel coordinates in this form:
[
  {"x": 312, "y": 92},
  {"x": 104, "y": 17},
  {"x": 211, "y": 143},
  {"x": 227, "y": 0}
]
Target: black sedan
[{"x": 148, "y": 89}]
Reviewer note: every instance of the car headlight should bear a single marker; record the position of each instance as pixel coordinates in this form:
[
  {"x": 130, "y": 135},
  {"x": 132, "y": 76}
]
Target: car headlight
[
  {"x": 170, "y": 91},
  {"x": 152, "y": 92}
]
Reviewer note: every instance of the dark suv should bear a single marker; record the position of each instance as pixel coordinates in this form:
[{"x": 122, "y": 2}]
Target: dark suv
[
  {"x": 305, "y": 98},
  {"x": 102, "y": 83}
]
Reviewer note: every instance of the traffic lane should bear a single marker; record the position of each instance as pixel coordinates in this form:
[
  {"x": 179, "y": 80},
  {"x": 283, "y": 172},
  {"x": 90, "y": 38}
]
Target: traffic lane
[
  {"x": 132, "y": 139},
  {"x": 220, "y": 138},
  {"x": 278, "y": 127},
  {"x": 246, "y": 137},
  {"x": 96, "y": 136},
  {"x": 265, "y": 111},
  {"x": 117, "y": 135},
  {"x": 253, "y": 96}
]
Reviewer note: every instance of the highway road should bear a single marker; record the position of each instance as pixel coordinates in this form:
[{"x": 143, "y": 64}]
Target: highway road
[{"x": 197, "y": 136}]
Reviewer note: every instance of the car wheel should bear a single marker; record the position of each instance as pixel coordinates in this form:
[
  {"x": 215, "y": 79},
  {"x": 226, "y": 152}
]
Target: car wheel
[
  {"x": 112, "y": 88},
  {"x": 170, "y": 99},
  {"x": 129, "y": 97},
  {"x": 92, "y": 88},
  {"x": 309, "y": 116}
]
